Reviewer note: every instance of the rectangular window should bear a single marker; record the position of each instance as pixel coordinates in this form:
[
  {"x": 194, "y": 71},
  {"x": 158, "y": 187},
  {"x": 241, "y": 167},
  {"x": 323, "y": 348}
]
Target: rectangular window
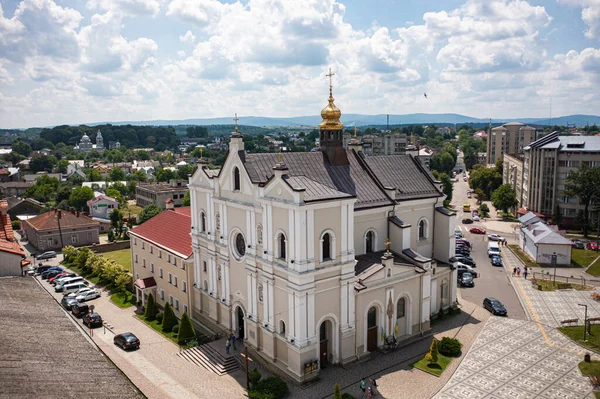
[
  {"x": 49, "y": 242},
  {"x": 171, "y": 300},
  {"x": 152, "y": 267},
  {"x": 143, "y": 246},
  {"x": 144, "y": 262},
  {"x": 89, "y": 236},
  {"x": 160, "y": 272},
  {"x": 182, "y": 265},
  {"x": 184, "y": 286},
  {"x": 134, "y": 241},
  {"x": 162, "y": 295},
  {"x": 136, "y": 258},
  {"x": 169, "y": 258},
  {"x": 185, "y": 308},
  {"x": 170, "y": 278},
  {"x": 176, "y": 304},
  {"x": 175, "y": 281},
  {"x": 204, "y": 266},
  {"x": 151, "y": 249},
  {"x": 73, "y": 239},
  {"x": 175, "y": 261},
  {"x": 159, "y": 254}
]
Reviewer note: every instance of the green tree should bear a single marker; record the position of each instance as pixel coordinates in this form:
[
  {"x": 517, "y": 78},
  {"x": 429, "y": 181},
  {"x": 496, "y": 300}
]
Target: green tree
[
  {"x": 148, "y": 212},
  {"x": 117, "y": 174},
  {"x": 197, "y": 131},
  {"x": 556, "y": 216},
  {"x": 504, "y": 198},
  {"x": 584, "y": 184},
  {"x": 485, "y": 211},
  {"x": 151, "y": 308},
  {"x": 186, "y": 199},
  {"x": 186, "y": 330},
  {"x": 116, "y": 194},
  {"x": 43, "y": 163},
  {"x": 80, "y": 196},
  {"x": 116, "y": 220},
  {"x": 337, "y": 392},
  {"x": 63, "y": 164},
  {"x": 122, "y": 281},
  {"x": 95, "y": 175},
  {"x": 447, "y": 185},
  {"x": 169, "y": 319},
  {"x": 45, "y": 189},
  {"x": 480, "y": 196},
  {"x": 21, "y": 147},
  {"x": 432, "y": 356}
]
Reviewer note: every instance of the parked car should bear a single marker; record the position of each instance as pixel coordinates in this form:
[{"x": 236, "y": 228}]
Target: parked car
[
  {"x": 496, "y": 260},
  {"x": 467, "y": 260},
  {"x": 592, "y": 245},
  {"x": 495, "y": 237},
  {"x": 463, "y": 241},
  {"x": 68, "y": 302},
  {"x": 42, "y": 268},
  {"x": 578, "y": 244},
  {"x": 458, "y": 233},
  {"x": 462, "y": 251},
  {"x": 46, "y": 255},
  {"x": 477, "y": 230},
  {"x": 79, "y": 309},
  {"x": 29, "y": 271},
  {"x": 127, "y": 341},
  {"x": 476, "y": 218},
  {"x": 462, "y": 244},
  {"x": 465, "y": 257},
  {"x": 467, "y": 221},
  {"x": 462, "y": 268},
  {"x": 52, "y": 269},
  {"x": 494, "y": 306},
  {"x": 48, "y": 274},
  {"x": 466, "y": 280},
  {"x": 78, "y": 292},
  {"x": 88, "y": 295},
  {"x": 56, "y": 279},
  {"x": 92, "y": 320}
]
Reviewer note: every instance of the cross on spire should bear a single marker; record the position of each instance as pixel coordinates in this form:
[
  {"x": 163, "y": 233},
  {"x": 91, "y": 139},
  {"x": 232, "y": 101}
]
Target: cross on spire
[
  {"x": 330, "y": 74},
  {"x": 387, "y": 245},
  {"x": 355, "y": 130},
  {"x": 236, "y": 119}
]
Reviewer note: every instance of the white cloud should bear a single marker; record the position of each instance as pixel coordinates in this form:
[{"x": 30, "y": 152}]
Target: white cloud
[
  {"x": 129, "y": 7},
  {"x": 590, "y": 14},
  {"x": 188, "y": 37}
]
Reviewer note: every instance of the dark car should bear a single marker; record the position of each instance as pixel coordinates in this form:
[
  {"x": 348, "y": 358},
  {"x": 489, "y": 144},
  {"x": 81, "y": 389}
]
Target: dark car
[
  {"x": 494, "y": 306},
  {"x": 463, "y": 240},
  {"x": 462, "y": 244},
  {"x": 92, "y": 320},
  {"x": 68, "y": 302},
  {"x": 467, "y": 260},
  {"x": 80, "y": 309},
  {"x": 53, "y": 273},
  {"x": 52, "y": 269},
  {"x": 466, "y": 280},
  {"x": 41, "y": 269},
  {"x": 467, "y": 221},
  {"x": 578, "y": 244},
  {"x": 127, "y": 341},
  {"x": 496, "y": 260},
  {"x": 462, "y": 250}
]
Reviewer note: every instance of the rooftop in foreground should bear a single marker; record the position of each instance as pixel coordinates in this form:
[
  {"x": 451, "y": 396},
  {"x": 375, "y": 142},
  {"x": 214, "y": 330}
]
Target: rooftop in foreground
[{"x": 32, "y": 366}]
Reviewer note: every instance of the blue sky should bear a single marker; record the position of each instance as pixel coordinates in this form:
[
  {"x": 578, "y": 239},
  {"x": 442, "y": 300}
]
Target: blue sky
[{"x": 78, "y": 61}]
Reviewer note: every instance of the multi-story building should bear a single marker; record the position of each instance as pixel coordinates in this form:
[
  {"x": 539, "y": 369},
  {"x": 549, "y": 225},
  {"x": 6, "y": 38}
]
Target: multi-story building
[
  {"x": 158, "y": 193},
  {"x": 512, "y": 173},
  {"x": 162, "y": 259},
  {"x": 509, "y": 138},
  {"x": 12, "y": 255},
  {"x": 318, "y": 258},
  {"x": 546, "y": 165},
  {"x": 388, "y": 144}
]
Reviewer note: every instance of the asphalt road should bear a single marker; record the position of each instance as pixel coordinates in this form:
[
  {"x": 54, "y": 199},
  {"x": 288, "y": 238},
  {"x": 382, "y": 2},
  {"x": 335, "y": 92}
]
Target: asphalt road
[{"x": 492, "y": 281}]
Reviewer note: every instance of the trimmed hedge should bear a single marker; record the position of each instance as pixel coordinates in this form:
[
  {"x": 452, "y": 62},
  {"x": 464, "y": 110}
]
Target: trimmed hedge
[
  {"x": 169, "y": 319},
  {"x": 269, "y": 388},
  {"x": 449, "y": 347},
  {"x": 186, "y": 330},
  {"x": 151, "y": 308},
  {"x": 159, "y": 317},
  {"x": 175, "y": 328}
]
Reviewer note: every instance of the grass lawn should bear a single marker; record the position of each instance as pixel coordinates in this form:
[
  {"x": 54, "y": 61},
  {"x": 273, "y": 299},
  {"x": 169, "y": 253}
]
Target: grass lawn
[
  {"x": 548, "y": 285},
  {"x": 123, "y": 301},
  {"x": 134, "y": 209},
  {"x": 122, "y": 257},
  {"x": 583, "y": 258},
  {"x": 523, "y": 256},
  {"x": 158, "y": 328},
  {"x": 576, "y": 334},
  {"x": 435, "y": 369}
]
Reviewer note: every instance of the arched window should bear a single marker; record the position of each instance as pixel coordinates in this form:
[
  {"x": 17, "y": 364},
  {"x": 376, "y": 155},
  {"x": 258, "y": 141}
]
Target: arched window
[
  {"x": 240, "y": 246},
  {"x": 236, "y": 179},
  {"x": 401, "y": 308},
  {"x": 423, "y": 229},
  {"x": 370, "y": 241},
  {"x": 326, "y": 246},
  {"x": 203, "y": 222},
  {"x": 281, "y": 327},
  {"x": 281, "y": 242}
]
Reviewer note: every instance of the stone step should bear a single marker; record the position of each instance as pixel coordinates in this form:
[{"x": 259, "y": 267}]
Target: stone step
[{"x": 211, "y": 359}]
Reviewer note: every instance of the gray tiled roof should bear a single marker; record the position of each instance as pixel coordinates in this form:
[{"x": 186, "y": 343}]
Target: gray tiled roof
[
  {"x": 314, "y": 191},
  {"x": 353, "y": 179},
  {"x": 403, "y": 173},
  {"x": 363, "y": 262}
]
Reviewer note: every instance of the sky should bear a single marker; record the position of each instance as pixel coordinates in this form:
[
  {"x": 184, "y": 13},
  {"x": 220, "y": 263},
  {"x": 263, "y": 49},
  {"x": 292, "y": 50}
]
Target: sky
[{"x": 84, "y": 61}]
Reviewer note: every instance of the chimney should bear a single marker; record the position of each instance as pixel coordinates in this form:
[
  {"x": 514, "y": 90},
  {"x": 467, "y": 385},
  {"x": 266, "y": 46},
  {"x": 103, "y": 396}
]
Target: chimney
[{"x": 170, "y": 204}]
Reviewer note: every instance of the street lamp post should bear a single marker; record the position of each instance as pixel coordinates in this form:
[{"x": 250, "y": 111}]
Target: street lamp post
[
  {"x": 585, "y": 322},
  {"x": 554, "y": 264}
]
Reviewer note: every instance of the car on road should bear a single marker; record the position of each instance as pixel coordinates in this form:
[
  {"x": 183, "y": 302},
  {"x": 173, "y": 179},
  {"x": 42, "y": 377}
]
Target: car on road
[
  {"x": 467, "y": 260},
  {"x": 46, "y": 255},
  {"x": 68, "y": 302},
  {"x": 592, "y": 245},
  {"x": 80, "y": 291},
  {"x": 127, "y": 341},
  {"x": 476, "y": 230},
  {"x": 495, "y": 237},
  {"x": 466, "y": 280},
  {"x": 88, "y": 295},
  {"x": 92, "y": 320},
  {"x": 467, "y": 221},
  {"x": 79, "y": 309},
  {"x": 476, "y": 218},
  {"x": 494, "y": 306},
  {"x": 462, "y": 251},
  {"x": 578, "y": 244},
  {"x": 465, "y": 179},
  {"x": 56, "y": 279},
  {"x": 496, "y": 260},
  {"x": 462, "y": 268}
]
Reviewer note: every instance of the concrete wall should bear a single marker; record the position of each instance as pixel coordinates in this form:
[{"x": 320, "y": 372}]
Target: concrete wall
[{"x": 10, "y": 264}]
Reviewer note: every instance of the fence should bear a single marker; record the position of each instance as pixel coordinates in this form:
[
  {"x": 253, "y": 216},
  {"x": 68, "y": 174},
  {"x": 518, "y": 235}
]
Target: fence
[{"x": 564, "y": 279}]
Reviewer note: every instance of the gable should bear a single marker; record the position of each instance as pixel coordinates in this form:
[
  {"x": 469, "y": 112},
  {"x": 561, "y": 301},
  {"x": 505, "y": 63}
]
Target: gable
[
  {"x": 225, "y": 177},
  {"x": 279, "y": 190}
]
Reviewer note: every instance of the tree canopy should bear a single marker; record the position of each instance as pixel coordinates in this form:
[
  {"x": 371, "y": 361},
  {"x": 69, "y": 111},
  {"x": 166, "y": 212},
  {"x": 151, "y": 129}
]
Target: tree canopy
[
  {"x": 80, "y": 196},
  {"x": 504, "y": 198},
  {"x": 148, "y": 212},
  {"x": 584, "y": 183}
]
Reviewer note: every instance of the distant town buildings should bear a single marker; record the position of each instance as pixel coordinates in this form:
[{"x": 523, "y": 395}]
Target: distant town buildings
[
  {"x": 86, "y": 146},
  {"x": 158, "y": 193},
  {"x": 509, "y": 138},
  {"x": 102, "y": 206},
  {"x": 389, "y": 144}
]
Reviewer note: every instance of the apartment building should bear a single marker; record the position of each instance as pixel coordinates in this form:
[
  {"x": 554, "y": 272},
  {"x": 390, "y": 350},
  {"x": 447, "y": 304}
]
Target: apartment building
[
  {"x": 161, "y": 258},
  {"x": 509, "y": 138},
  {"x": 512, "y": 173},
  {"x": 546, "y": 165},
  {"x": 389, "y": 144},
  {"x": 159, "y": 193}
]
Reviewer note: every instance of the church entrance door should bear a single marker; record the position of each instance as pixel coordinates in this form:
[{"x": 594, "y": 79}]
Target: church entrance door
[
  {"x": 372, "y": 329},
  {"x": 324, "y": 343},
  {"x": 240, "y": 323}
]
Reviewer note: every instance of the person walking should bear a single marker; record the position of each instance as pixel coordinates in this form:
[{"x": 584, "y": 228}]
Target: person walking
[
  {"x": 518, "y": 272},
  {"x": 525, "y": 273},
  {"x": 233, "y": 341},
  {"x": 227, "y": 345},
  {"x": 363, "y": 386},
  {"x": 514, "y": 271},
  {"x": 374, "y": 386}
]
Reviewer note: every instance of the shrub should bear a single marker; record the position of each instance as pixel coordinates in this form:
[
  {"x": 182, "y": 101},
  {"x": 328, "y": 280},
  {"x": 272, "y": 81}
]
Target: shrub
[
  {"x": 16, "y": 224},
  {"x": 175, "y": 328},
  {"x": 337, "y": 392},
  {"x": 151, "y": 308},
  {"x": 253, "y": 377},
  {"x": 186, "y": 330},
  {"x": 432, "y": 356},
  {"x": 449, "y": 347},
  {"x": 169, "y": 319},
  {"x": 159, "y": 317},
  {"x": 269, "y": 388}
]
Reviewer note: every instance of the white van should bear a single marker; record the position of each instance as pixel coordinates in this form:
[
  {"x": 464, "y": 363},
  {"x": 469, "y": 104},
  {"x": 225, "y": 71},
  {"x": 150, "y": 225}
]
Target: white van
[
  {"x": 493, "y": 249},
  {"x": 68, "y": 288},
  {"x": 59, "y": 287}
]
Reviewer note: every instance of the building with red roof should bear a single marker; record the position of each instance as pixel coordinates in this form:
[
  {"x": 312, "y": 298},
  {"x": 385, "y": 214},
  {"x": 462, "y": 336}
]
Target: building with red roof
[
  {"x": 12, "y": 255},
  {"x": 57, "y": 228},
  {"x": 161, "y": 251}
]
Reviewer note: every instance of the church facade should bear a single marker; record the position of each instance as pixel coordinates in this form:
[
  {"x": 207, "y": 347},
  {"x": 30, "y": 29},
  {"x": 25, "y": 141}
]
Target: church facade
[
  {"x": 86, "y": 146},
  {"x": 320, "y": 257}
]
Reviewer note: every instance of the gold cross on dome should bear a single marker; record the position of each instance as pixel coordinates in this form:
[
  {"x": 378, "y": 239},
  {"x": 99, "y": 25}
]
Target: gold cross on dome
[
  {"x": 236, "y": 119},
  {"x": 280, "y": 157},
  {"x": 201, "y": 152},
  {"x": 330, "y": 74},
  {"x": 387, "y": 244},
  {"x": 354, "y": 131}
]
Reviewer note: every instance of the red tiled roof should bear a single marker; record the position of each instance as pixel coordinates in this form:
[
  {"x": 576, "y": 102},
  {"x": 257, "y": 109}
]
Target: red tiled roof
[
  {"x": 186, "y": 210},
  {"x": 11, "y": 247},
  {"x": 148, "y": 282},
  {"x": 49, "y": 220},
  {"x": 524, "y": 211},
  {"x": 169, "y": 229}
]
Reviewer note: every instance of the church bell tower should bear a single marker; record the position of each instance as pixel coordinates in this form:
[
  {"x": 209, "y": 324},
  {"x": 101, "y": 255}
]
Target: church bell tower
[{"x": 331, "y": 130}]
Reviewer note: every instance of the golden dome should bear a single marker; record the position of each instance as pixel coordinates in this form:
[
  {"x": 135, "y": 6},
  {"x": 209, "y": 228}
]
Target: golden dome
[{"x": 331, "y": 114}]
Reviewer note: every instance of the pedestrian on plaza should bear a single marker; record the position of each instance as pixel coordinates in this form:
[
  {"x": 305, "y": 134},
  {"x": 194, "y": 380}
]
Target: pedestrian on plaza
[
  {"x": 233, "y": 341},
  {"x": 363, "y": 386},
  {"x": 518, "y": 272},
  {"x": 369, "y": 393},
  {"x": 374, "y": 386},
  {"x": 227, "y": 345},
  {"x": 525, "y": 273},
  {"x": 514, "y": 271}
]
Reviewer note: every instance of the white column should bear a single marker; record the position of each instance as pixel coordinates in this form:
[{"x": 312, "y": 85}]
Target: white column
[
  {"x": 291, "y": 238},
  {"x": 292, "y": 317},
  {"x": 266, "y": 234},
  {"x": 197, "y": 262},
  {"x": 350, "y": 231},
  {"x": 227, "y": 283},
  {"x": 249, "y": 295},
  {"x": 301, "y": 316},
  {"x": 252, "y": 229},
  {"x": 213, "y": 276},
  {"x": 271, "y": 305},
  {"x": 194, "y": 206},
  {"x": 254, "y": 297},
  {"x": 310, "y": 234},
  {"x": 344, "y": 304},
  {"x": 223, "y": 279},
  {"x": 311, "y": 315},
  {"x": 300, "y": 241},
  {"x": 351, "y": 305},
  {"x": 269, "y": 229},
  {"x": 221, "y": 227},
  {"x": 248, "y": 233},
  {"x": 224, "y": 224},
  {"x": 209, "y": 213},
  {"x": 344, "y": 241}
]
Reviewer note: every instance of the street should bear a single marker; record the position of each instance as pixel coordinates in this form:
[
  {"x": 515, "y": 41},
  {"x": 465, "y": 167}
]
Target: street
[{"x": 493, "y": 280}]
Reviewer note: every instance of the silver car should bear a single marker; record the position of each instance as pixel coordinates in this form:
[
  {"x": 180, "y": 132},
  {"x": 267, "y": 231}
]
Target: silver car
[
  {"x": 89, "y": 295},
  {"x": 80, "y": 291}
]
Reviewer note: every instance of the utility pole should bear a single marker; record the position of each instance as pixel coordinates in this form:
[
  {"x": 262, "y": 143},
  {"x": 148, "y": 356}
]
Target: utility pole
[
  {"x": 554, "y": 264},
  {"x": 585, "y": 322},
  {"x": 58, "y": 216},
  {"x": 247, "y": 374}
]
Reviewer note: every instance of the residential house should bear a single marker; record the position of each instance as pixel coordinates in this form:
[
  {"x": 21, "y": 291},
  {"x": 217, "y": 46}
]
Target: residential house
[
  {"x": 14, "y": 188},
  {"x": 57, "y": 228},
  {"x": 23, "y": 207},
  {"x": 543, "y": 242},
  {"x": 76, "y": 168},
  {"x": 12, "y": 255},
  {"x": 102, "y": 206}
]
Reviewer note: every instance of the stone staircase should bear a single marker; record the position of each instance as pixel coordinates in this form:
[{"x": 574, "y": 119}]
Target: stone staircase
[{"x": 211, "y": 357}]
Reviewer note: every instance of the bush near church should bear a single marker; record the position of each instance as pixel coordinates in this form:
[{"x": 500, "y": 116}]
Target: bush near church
[
  {"x": 450, "y": 347},
  {"x": 432, "y": 356},
  {"x": 169, "y": 319},
  {"x": 151, "y": 308},
  {"x": 269, "y": 388},
  {"x": 186, "y": 330}
]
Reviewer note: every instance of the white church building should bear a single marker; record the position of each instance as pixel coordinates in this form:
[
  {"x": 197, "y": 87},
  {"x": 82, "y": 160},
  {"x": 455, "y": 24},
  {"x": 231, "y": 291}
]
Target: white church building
[
  {"x": 86, "y": 145},
  {"x": 319, "y": 257}
]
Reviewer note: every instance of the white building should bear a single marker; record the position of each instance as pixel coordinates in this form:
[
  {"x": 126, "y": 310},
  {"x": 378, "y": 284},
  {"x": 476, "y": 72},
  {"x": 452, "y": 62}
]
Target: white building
[
  {"x": 102, "y": 206},
  {"x": 76, "y": 168},
  {"x": 543, "y": 242},
  {"x": 86, "y": 146}
]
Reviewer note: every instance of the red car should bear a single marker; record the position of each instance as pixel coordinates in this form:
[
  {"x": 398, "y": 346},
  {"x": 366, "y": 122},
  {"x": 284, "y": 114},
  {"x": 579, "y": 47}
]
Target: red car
[
  {"x": 477, "y": 230},
  {"x": 592, "y": 245},
  {"x": 50, "y": 280}
]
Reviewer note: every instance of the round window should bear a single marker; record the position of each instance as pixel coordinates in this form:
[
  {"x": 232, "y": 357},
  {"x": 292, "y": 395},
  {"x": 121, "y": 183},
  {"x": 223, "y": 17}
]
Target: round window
[{"x": 240, "y": 245}]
